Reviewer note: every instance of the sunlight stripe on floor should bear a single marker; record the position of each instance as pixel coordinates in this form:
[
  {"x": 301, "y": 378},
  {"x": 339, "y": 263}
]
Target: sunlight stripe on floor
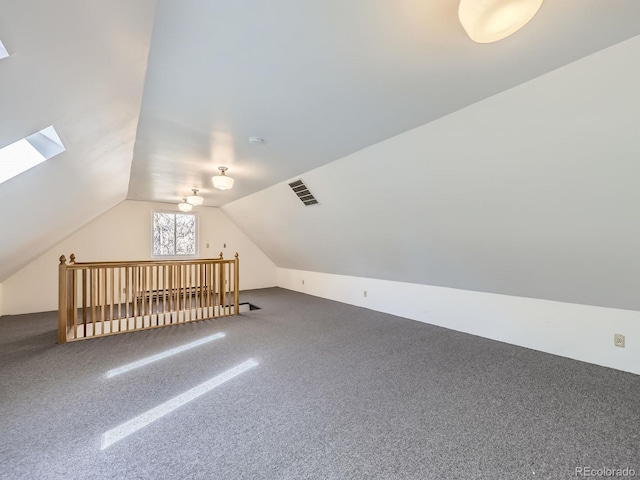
[
  {"x": 122, "y": 431},
  {"x": 154, "y": 358}
]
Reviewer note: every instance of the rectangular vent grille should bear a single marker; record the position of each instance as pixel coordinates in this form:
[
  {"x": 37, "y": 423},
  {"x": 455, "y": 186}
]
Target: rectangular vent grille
[{"x": 303, "y": 193}]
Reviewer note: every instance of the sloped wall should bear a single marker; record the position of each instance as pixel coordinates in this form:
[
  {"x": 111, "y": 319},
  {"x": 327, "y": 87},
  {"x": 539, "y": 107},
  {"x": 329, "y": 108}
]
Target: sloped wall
[
  {"x": 531, "y": 193},
  {"x": 79, "y": 66},
  {"x": 124, "y": 233}
]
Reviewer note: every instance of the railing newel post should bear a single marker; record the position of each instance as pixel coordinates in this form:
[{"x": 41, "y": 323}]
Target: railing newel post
[{"x": 62, "y": 300}]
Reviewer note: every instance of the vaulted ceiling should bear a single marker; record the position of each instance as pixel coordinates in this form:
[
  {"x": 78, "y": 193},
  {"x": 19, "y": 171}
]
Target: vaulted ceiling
[
  {"x": 151, "y": 97},
  {"x": 78, "y": 66},
  {"x": 321, "y": 79}
]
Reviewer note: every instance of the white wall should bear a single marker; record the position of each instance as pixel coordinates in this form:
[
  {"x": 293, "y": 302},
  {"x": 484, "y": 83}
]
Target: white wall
[
  {"x": 571, "y": 330},
  {"x": 532, "y": 192},
  {"x": 124, "y": 233}
]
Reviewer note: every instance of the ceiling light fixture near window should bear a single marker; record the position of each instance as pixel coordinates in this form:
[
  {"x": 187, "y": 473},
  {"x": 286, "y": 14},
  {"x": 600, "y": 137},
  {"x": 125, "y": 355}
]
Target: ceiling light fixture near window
[
  {"x": 487, "y": 21},
  {"x": 184, "y": 206},
  {"x": 222, "y": 182},
  {"x": 195, "y": 199},
  {"x": 3, "y": 51},
  {"x": 256, "y": 141}
]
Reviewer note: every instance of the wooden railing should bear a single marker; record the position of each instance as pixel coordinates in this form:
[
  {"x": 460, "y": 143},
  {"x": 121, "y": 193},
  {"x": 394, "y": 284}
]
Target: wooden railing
[{"x": 105, "y": 298}]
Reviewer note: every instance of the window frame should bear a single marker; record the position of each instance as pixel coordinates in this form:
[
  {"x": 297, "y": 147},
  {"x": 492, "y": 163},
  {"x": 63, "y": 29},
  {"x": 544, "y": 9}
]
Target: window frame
[{"x": 176, "y": 256}]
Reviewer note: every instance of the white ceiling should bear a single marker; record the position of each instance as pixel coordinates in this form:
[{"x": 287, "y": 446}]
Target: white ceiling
[{"x": 322, "y": 79}]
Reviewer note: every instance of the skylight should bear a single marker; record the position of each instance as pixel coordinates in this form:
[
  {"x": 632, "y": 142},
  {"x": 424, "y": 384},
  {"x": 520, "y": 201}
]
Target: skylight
[
  {"x": 29, "y": 152},
  {"x": 3, "y": 51}
]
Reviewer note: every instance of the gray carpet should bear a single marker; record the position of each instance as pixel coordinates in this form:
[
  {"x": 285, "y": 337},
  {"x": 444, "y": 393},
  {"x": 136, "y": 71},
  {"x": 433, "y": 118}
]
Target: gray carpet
[{"x": 340, "y": 392}]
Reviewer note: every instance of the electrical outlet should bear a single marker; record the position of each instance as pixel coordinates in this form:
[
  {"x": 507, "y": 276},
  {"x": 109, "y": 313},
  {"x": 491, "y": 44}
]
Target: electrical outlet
[
  {"x": 303, "y": 282},
  {"x": 618, "y": 340},
  {"x": 365, "y": 293}
]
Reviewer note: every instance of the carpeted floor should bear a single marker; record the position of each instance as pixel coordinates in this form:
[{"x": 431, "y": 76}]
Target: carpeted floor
[{"x": 340, "y": 392}]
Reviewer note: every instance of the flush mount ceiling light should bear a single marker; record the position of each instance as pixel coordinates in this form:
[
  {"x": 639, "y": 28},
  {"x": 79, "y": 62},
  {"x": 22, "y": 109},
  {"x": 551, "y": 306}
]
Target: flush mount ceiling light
[
  {"x": 195, "y": 199},
  {"x": 222, "y": 182},
  {"x": 184, "y": 206},
  {"x": 487, "y": 21}
]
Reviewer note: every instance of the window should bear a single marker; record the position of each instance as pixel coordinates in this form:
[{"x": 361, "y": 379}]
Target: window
[
  {"x": 3, "y": 51},
  {"x": 175, "y": 234},
  {"x": 29, "y": 152}
]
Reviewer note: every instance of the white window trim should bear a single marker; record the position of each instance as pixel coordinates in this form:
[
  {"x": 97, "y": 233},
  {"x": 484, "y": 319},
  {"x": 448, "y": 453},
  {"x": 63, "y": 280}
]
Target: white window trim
[{"x": 176, "y": 257}]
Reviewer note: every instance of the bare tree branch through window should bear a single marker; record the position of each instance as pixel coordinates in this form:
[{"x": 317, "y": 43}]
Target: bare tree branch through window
[{"x": 174, "y": 234}]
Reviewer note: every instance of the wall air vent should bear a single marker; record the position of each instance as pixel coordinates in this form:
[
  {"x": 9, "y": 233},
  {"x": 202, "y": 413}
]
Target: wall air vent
[{"x": 303, "y": 193}]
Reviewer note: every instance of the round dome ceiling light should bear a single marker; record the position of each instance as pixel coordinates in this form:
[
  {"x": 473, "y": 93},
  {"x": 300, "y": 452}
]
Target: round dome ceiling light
[
  {"x": 222, "y": 182},
  {"x": 256, "y": 141},
  {"x": 184, "y": 206},
  {"x": 195, "y": 199},
  {"x": 487, "y": 21}
]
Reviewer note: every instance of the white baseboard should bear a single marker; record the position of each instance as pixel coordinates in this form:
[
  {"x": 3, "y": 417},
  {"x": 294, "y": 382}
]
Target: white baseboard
[{"x": 581, "y": 332}]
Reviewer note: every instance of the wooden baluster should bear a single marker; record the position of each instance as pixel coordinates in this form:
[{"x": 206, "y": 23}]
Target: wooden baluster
[
  {"x": 187, "y": 296},
  {"x": 143, "y": 292},
  {"x": 201, "y": 282},
  {"x": 136, "y": 294},
  {"x": 85, "y": 288},
  {"x": 208, "y": 277},
  {"x": 92, "y": 300},
  {"x": 171, "y": 267},
  {"x": 127, "y": 293},
  {"x": 148, "y": 291},
  {"x": 73, "y": 298},
  {"x": 102, "y": 281},
  {"x": 184, "y": 292},
  {"x": 221, "y": 288},
  {"x": 112, "y": 284},
  {"x": 236, "y": 284},
  {"x": 119, "y": 287},
  {"x": 157, "y": 269},
  {"x": 180, "y": 291},
  {"x": 228, "y": 278},
  {"x": 164, "y": 294},
  {"x": 188, "y": 285},
  {"x": 151, "y": 291},
  {"x": 194, "y": 291}
]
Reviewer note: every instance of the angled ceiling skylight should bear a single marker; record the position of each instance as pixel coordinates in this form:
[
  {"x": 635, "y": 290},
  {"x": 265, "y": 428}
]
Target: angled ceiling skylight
[
  {"x": 3, "y": 51},
  {"x": 29, "y": 152}
]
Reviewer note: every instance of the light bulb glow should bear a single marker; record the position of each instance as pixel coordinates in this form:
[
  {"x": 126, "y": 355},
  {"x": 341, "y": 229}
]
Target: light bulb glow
[
  {"x": 222, "y": 182},
  {"x": 487, "y": 21},
  {"x": 195, "y": 200},
  {"x": 184, "y": 206}
]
